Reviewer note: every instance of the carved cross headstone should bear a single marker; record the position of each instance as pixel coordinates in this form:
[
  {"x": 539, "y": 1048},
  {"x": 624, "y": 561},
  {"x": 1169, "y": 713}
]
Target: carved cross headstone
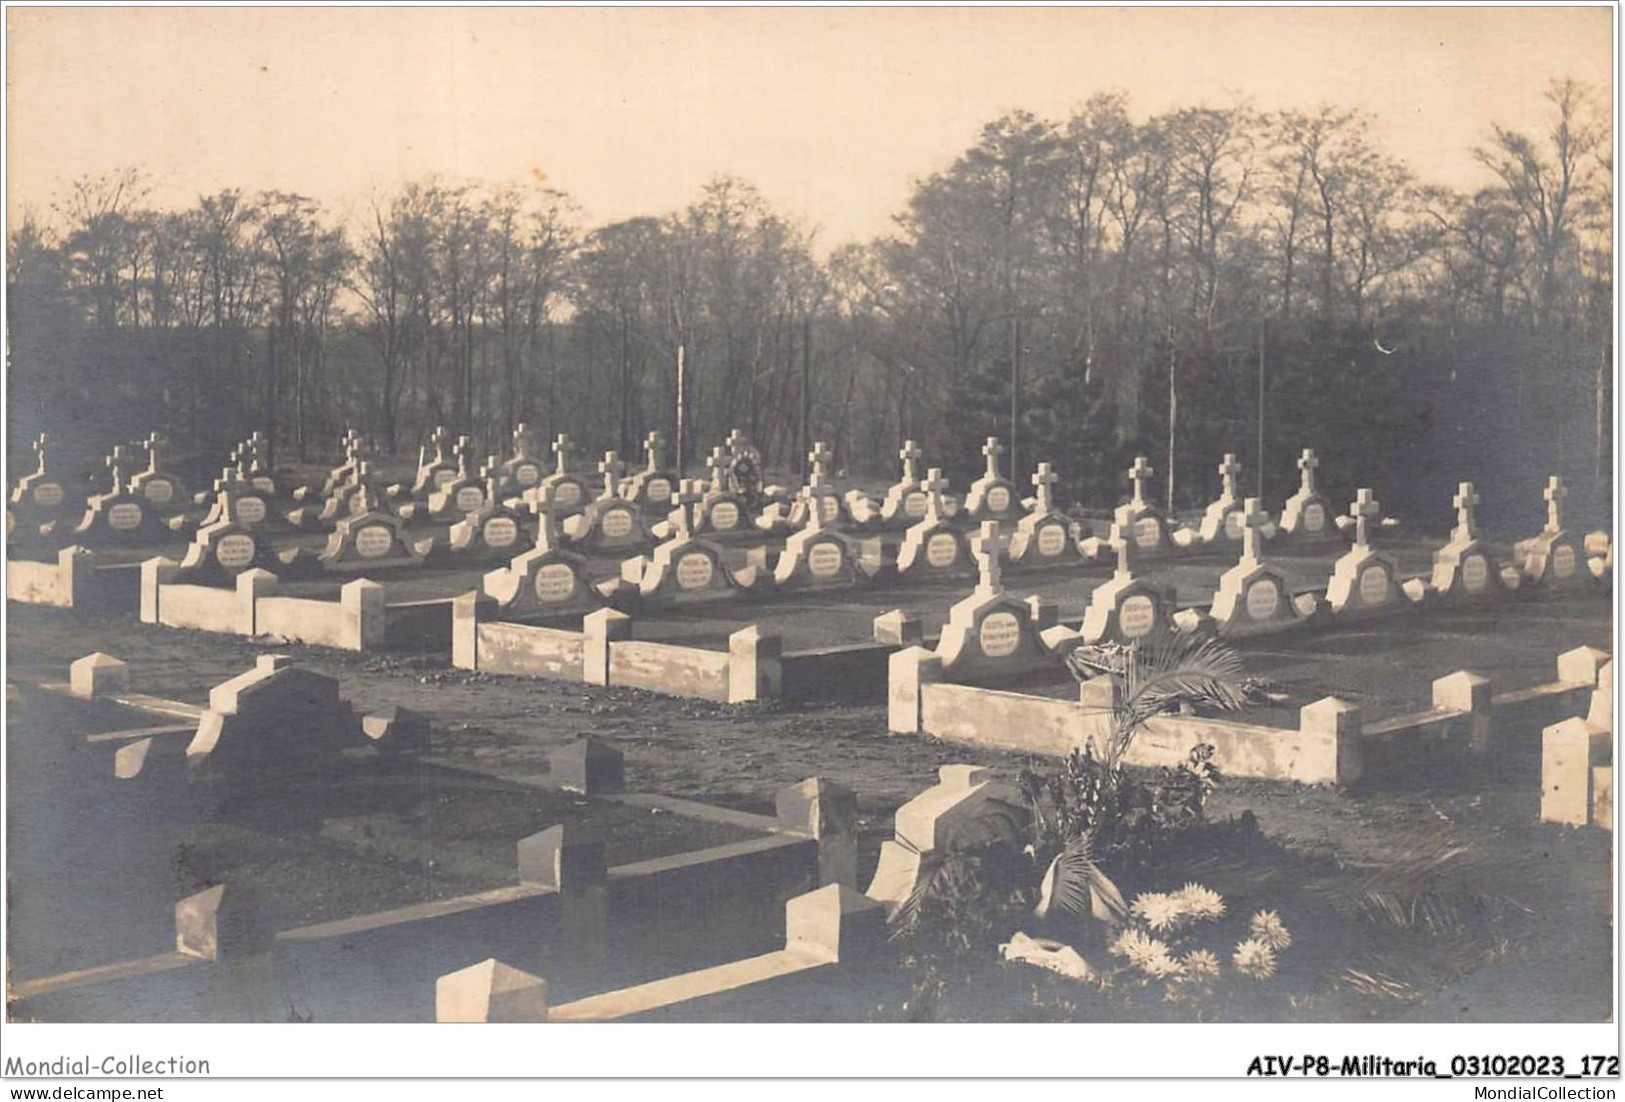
[
  {"x": 1465, "y": 501},
  {"x": 1362, "y": 508},
  {"x": 1254, "y": 519},
  {"x": 1044, "y": 480},
  {"x": 1307, "y": 464},
  {"x": 610, "y": 468},
  {"x": 653, "y": 446},
  {"x": 362, "y": 502},
  {"x": 491, "y": 475},
  {"x": 1554, "y": 494},
  {"x": 464, "y": 449},
  {"x": 1228, "y": 470},
  {"x": 521, "y": 437},
  {"x": 119, "y": 464},
  {"x": 1128, "y": 555},
  {"x": 688, "y": 494},
  {"x": 736, "y": 442},
  {"x": 561, "y": 453},
  {"x": 820, "y": 458},
  {"x": 230, "y": 480},
  {"x": 718, "y": 464},
  {"x": 154, "y": 444},
  {"x": 39, "y": 451},
  {"x": 992, "y": 450},
  {"x": 812, "y": 502},
  {"x": 933, "y": 485},
  {"x": 910, "y": 455},
  {"x": 1138, "y": 474},
  {"x": 987, "y": 546}
]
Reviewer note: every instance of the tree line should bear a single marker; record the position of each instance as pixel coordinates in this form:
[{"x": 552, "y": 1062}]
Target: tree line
[{"x": 1093, "y": 286}]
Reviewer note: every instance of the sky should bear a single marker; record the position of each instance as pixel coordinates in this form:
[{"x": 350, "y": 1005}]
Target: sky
[{"x": 830, "y": 112}]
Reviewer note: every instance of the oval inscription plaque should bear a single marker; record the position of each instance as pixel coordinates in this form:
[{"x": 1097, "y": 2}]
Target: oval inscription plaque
[{"x": 941, "y": 549}]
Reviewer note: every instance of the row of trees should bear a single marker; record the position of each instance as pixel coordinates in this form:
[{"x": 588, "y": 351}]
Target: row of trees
[{"x": 1167, "y": 285}]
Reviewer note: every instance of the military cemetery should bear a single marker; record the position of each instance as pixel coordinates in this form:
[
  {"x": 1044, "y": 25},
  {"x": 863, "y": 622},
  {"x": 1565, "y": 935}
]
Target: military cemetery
[{"x": 686, "y": 623}]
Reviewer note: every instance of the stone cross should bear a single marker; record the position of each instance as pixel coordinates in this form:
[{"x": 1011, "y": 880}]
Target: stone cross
[
  {"x": 491, "y": 475},
  {"x": 352, "y": 446},
  {"x": 39, "y": 450},
  {"x": 464, "y": 448},
  {"x": 736, "y": 442},
  {"x": 933, "y": 485},
  {"x": 362, "y": 503},
  {"x": 1362, "y": 508},
  {"x": 154, "y": 444},
  {"x": 993, "y": 449},
  {"x": 653, "y": 445},
  {"x": 1044, "y": 480},
  {"x": 239, "y": 459},
  {"x": 1138, "y": 474},
  {"x": 718, "y": 463},
  {"x": 561, "y": 453},
  {"x": 1554, "y": 494},
  {"x": 521, "y": 438},
  {"x": 610, "y": 468},
  {"x": 820, "y": 458},
  {"x": 1465, "y": 501},
  {"x": 1307, "y": 464},
  {"x": 910, "y": 455},
  {"x": 987, "y": 546},
  {"x": 118, "y": 463},
  {"x": 688, "y": 493},
  {"x": 1254, "y": 519},
  {"x": 1128, "y": 554},
  {"x": 230, "y": 480},
  {"x": 256, "y": 444},
  {"x": 1228, "y": 470},
  {"x": 811, "y": 497}
]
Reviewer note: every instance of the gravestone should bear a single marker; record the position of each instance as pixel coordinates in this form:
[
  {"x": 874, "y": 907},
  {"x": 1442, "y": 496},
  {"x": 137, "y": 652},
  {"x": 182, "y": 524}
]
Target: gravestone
[
  {"x": 345, "y": 472},
  {"x": 933, "y": 547},
  {"x": 720, "y": 511},
  {"x": 434, "y": 469},
  {"x": 520, "y": 471},
  {"x": 990, "y": 635},
  {"x": 119, "y": 516},
  {"x": 1044, "y": 537},
  {"x": 651, "y": 488},
  {"x": 240, "y": 502},
  {"x": 820, "y": 491},
  {"x": 561, "y": 493},
  {"x": 460, "y": 495},
  {"x": 39, "y": 497},
  {"x": 157, "y": 485},
  {"x": 1363, "y": 582},
  {"x": 274, "y": 717},
  {"x": 684, "y": 568},
  {"x": 345, "y": 500},
  {"x": 816, "y": 556},
  {"x": 1464, "y": 569},
  {"x": 610, "y": 525},
  {"x": 1253, "y": 598},
  {"x": 905, "y": 502},
  {"x": 222, "y": 550},
  {"x": 1138, "y": 519},
  {"x": 993, "y": 497},
  {"x": 368, "y": 539},
  {"x": 1126, "y": 608},
  {"x": 1307, "y": 516},
  {"x": 545, "y": 581},
  {"x": 255, "y": 452},
  {"x": 1222, "y": 522},
  {"x": 1556, "y": 557},
  {"x": 965, "y": 811},
  {"x": 494, "y": 530}
]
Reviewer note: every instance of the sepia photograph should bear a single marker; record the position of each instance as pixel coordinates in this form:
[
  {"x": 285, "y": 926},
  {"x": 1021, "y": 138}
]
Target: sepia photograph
[{"x": 882, "y": 516}]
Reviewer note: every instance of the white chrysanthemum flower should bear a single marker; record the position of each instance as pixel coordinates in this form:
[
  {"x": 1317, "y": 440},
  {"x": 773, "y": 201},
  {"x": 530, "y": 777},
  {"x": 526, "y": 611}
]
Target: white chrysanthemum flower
[
  {"x": 1267, "y": 927},
  {"x": 1158, "y": 962},
  {"x": 1256, "y": 959},
  {"x": 1159, "y": 910},
  {"x": 1132, "y": 943},
  {"x": 1200, "y": 964},
  {"x": 1200, "y": 902}
]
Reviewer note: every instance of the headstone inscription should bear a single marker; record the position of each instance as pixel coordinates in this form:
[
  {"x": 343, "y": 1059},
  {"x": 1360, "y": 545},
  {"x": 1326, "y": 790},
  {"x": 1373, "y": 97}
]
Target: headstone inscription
[
  {"x": 1045, "y": 536},
  {"x": 993, "y": 497}
]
